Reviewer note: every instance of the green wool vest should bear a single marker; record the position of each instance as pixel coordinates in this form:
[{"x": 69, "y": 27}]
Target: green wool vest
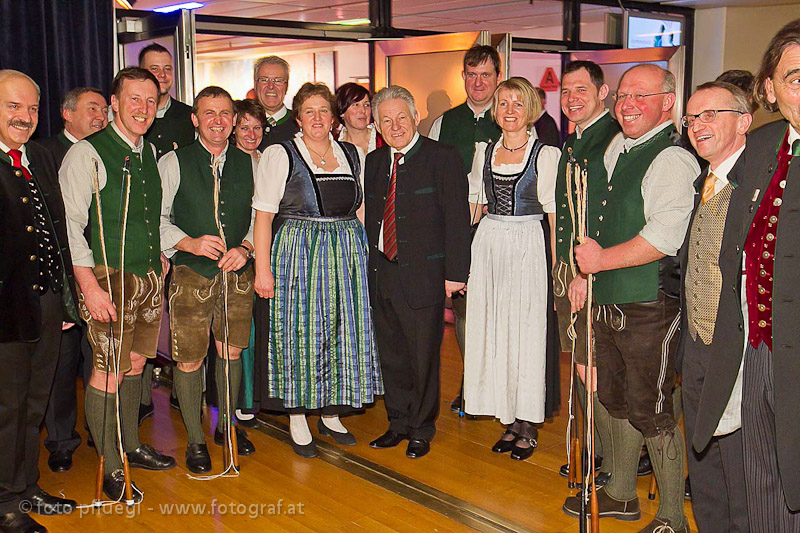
[
  {"x": 620, "y": 217},
  {"x": 589, "y": 148},
  {"x": 172, "y": 131},
  {"x": 462, "y": 130},
  {"x": 142, "y": 238},
  {"x": 193, "y": 207}
]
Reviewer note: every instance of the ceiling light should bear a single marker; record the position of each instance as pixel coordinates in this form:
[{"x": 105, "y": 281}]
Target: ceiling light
[
  {"x": 176, "y": 7},
  {"x": 351, "y": 22},
  {"x": 125, "y": 4}
]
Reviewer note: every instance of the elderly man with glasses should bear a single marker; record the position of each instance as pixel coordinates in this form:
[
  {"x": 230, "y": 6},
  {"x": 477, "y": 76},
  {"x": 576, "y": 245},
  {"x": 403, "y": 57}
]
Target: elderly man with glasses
[
  {"x": 635, "y": 232},
  {"x": 271, "y": 77}
]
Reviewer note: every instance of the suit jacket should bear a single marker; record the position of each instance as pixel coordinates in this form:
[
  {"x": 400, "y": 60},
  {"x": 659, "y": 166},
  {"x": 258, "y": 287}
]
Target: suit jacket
[
  {"x": 431, "y": 216},
  {"x": 753, "y": 173},
  {"x": 58, "y": 146},
  {"x": 547, "y": 131},
  {"x": 20, "y": 311}
]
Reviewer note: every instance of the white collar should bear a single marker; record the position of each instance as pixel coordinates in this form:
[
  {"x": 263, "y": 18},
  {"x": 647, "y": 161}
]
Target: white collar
[
  {"x": 580, "y": 131},
  {"x": 479, "y": 114},
  {"x": 135, "y": 147},
  {"x": 724, "y": 168},
  {"x": 70, "y": 137},
  {"x": 163, "y": 111},
  {"x": 6, "y": 149},
  {"x": 279, "y": 114},
  {"x": 221, "y": 156},
  {"x": 406, "y": 148},
  {"x": 794, "y": 135}
]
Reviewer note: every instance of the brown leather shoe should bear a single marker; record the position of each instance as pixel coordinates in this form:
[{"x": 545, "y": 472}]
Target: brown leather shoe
[
  {"x": 609, "y": 507},
  {"x": 663, "y": 526}
]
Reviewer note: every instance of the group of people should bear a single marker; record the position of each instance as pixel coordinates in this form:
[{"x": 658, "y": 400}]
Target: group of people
[{"x": 322, "y": 241}]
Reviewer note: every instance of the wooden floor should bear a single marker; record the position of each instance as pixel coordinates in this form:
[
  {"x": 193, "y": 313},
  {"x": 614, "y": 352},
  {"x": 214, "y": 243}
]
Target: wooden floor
[{"x": 461, "y": 485}]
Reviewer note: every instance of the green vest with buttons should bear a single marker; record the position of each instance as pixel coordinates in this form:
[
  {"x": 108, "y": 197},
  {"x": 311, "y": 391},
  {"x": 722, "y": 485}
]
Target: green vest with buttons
[
  {"x": 620, "y": 218},
  {"x": 173, "y": 130},
  {"x": 588, "y": 151},
  {"x": 461, "y": 129},
  {"x": 142, "y": 237},
  {"x": 193, "y": 207}
]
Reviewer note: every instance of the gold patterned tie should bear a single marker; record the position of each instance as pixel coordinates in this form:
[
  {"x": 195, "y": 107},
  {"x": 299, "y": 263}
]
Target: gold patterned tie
[{"x": 708, "y": 188}]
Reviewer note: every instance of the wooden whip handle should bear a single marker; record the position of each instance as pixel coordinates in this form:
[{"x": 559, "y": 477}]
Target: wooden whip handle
[
  {"x": 572, "y": 477},
  {"x": 595, "y": 510},
  {"x": 234, "y": 446},
  {"x": 98, "y": 486},
  {"x": 126, "y": 470}
]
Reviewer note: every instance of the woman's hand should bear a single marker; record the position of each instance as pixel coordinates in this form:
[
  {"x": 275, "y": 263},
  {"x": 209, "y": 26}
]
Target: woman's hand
[{"x": 264, "y": 284}]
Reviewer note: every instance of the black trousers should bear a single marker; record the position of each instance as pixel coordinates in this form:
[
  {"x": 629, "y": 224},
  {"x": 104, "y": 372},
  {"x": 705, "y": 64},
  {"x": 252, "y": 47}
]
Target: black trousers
[
  {"x": 719, "y": 499},
  {"x": 408, "y": 341},
  {"x": 62, "y": 409},
  {"x": 25, "y": 383}
]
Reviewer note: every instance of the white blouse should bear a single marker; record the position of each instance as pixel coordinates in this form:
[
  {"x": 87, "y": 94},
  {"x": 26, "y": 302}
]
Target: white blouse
[
  {"x": 273, "y": 171},
  {"x": 546, "y": 172}
]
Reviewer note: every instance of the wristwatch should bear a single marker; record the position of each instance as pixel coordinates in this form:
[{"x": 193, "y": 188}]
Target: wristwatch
[{"x": 249, "y": 253}]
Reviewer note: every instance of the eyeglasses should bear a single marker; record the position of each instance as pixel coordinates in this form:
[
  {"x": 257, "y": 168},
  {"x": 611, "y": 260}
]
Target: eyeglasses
[
  {"x": 275, "y": 81},
  {"x": 709, "y": 115},
  {"x": 621, "y": 97}
]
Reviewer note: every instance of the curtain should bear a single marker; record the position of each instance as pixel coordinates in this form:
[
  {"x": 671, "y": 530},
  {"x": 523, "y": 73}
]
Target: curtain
[{"x": 61, "y": 44}]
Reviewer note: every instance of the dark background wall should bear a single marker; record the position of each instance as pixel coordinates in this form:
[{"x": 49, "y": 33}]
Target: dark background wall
[{"x": 61, "y": 44}]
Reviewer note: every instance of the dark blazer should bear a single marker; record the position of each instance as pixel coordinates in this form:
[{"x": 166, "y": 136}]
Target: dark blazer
[
  {"x": 547, "y": 131},
  {"x": 58, "y": 146},
  {"x": 753, "y": 173},
  {"x": 431, "y": 215},
  {"x": 20, "y": 312}
]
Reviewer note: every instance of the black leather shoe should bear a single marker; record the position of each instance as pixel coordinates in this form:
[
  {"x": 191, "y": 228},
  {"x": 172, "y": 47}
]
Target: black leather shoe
[
  {"x": 43, "y": 503},
  {"x": 60, "y": 460},
  {"x": 645, "y": 466},
  {"x": 243, "y": 444},
  {"x": 345, "y": 439},
  {"x": 564, "y": 470},
  {"x": 520, "y": 454},
  {"x": 502, "y": 445},
  {"x": 455, "y": 405},
  {"x": 19, "y": 522},
  {"x": 390, "y": 439},
  {"x": 198, "y": 461},
  {"x": 114, "y": 487},
  {"x": 147, "y": 457},
  {"x": 309, "y": 451},
  {"x": 687, "y": 489},
  {"x": 417, "y": 448},
  {"x": 145, "y": 411}
]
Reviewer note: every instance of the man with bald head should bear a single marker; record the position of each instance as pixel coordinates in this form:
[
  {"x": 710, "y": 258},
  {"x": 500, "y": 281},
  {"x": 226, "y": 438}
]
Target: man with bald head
[
  {"x": 635, "y": 232},
  {"x": 717, "y": 118},
  {"x": 37, "y": 299}
]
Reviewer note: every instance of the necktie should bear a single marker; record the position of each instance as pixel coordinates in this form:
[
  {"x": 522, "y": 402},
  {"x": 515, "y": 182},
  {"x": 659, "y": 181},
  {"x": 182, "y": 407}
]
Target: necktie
[
  {"x": 796, "y": 148},
  {"x": 271, "y": 121},
  {"x": 389, "y": 228},
  {"x": 16, "y": 162},
  {"x": 708, "y": 188}
]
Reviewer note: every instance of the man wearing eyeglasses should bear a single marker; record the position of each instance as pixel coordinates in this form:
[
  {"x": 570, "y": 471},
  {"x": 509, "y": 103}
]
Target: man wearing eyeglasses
[
  {"x": 718, "y": 116},
  {"x": 463, "y": 127},
  {"x": 758, "y": 263},
  {"x": 271, "y": 77},
  {"x": 636, "y": 230}
]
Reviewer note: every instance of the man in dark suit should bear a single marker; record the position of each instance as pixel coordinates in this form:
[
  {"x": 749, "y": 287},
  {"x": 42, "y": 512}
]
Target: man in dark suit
[
  {"x": 85, "y": 111},
  {"x": 37, "y": 297},
  {"x": 271, "y": 79},
  {"x": 717, "y": 119},
  {"x": 545, "y": 125},
  {"x": 417, "y": 223},
  {"x": 758, "y": 262}
]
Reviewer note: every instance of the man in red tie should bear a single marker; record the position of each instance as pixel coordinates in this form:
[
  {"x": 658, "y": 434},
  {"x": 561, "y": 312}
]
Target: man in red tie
[
  {"x": 417, "y": 222},
  {"x": 37, "y": 299}
]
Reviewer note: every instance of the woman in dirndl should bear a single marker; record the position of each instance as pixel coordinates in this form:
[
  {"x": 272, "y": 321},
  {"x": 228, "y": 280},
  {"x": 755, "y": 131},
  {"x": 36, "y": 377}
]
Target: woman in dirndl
[
  {"x": 508, "y": 312},
  {"x": 322, "y": 353}
]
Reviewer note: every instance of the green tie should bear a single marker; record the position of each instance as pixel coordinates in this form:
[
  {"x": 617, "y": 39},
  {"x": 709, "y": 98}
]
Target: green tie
[{"x": 796, "y": 148}]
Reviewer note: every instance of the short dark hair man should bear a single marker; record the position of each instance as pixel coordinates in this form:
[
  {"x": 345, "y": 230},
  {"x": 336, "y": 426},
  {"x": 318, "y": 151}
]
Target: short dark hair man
[
  {"x": 172, "y": 127},
  {"x": 84, "y": 111},
  {"x": 195, "y": 218},
  {"x": 118, "y": 163},
  {"x": 38, "y": 295},
  {"x": 717, "y": 119},
  {"x": 545, "y": 125},
  {"x": 761, "y": 230},
  {"x": 462, "y": 127}
]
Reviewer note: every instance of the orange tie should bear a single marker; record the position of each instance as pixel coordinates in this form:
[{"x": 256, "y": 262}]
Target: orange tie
[{"x": 708, "y": 188}]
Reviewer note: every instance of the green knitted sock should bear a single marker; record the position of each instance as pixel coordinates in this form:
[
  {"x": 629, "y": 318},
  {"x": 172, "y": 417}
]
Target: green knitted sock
[
  {"x": 105, "y": 438},
  {"x": 626, "y": 445},
  {"x": 666, "y": 454},
  {"x": 189, "y": 388},
  {"x": 130, "y": 394},
  {"x": 236, "y": 379}
]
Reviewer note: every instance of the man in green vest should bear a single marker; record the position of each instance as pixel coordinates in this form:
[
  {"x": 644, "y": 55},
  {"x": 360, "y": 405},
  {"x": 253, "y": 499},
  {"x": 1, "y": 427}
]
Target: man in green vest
[
  {"x": 637, "y": 224},
  {"x": 271, "y": 80},
  {"x": 206, "y": 227},
  {"x": 110, "y": 183},
  {"x": 462, "y": 127},
  {"x": 171, "y": 129},
  {"x": 583, "y": 92}
]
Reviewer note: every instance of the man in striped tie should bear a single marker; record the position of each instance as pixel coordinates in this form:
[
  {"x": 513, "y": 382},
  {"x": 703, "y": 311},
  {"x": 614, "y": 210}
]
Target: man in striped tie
[{"x": 417, "y": 222}]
